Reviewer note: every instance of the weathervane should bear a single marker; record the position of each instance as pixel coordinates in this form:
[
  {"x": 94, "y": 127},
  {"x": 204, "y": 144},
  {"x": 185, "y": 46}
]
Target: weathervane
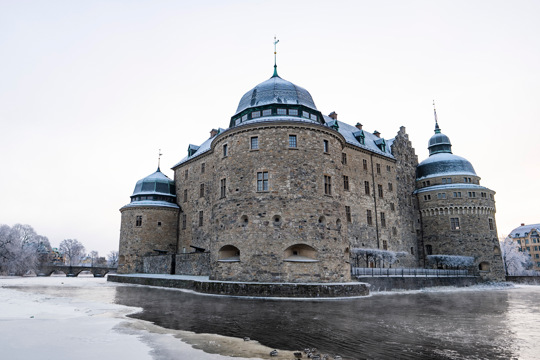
[
  {"x": 275, "y": 60},
  {"x": 159, "y": 159}
]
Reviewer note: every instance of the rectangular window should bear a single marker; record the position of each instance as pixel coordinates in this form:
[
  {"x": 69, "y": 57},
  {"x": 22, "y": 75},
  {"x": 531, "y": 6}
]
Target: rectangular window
[
  {"x": 225, "y": 150},
  {"x": 325, "y": 145},
  {"x": 348, "y": 213},
  {"x": 483, "y": 194},
  {"x": 203, "y": 168},
  {"x": 457, "y": 194},
  {"x": 305, "y": 114},
  {"x": 186, "y": 174},
  {"x": 255, "y": 114},
  {"x": 184, "y": 221},
  {"x": 138, "y": 220},
  {"x": 472, "y": 194},
  {"x": 366, "y": 187},
  {"x": 344, "y": 158},
  {"x": 201, "y": 190},
  {"x": 364, "y": 164},
  {"x": 185, "y": 195},
  {"x": 446, "y": 180},
  {"x": 390, "y": 187},
  {"x": 262, "y": 181},
  {"x": 388, "y": 168},
  {"x": 454, "y": 223},
  {"x": 369, "y": 218},
  {"x": 345, "y": 183},
  {"x": 491, "y": 227},
  {"x": 394, "y": 230},
  {"x": 282, "y": 111},
  {"x": 292, "y": 141},
  {"x": 427, "y": 197},
  {"x": 385, "y": 245},
  {"x": 267, "y": 112},
  {"x": 293, "y": 112},
  {"x": 223, "y": 188},
  {"x": 255, "y": 143},
  {"x": 383, "y": 219},
  {"x": 378, "y": 168},
  {"x": 441, "y": 196},
  {"x": 380, "y": 190},
  {"x": 313, "y": 117},
  {"x": 429, "y": 250},
  {"x": 392, "y": 207},
  {"x": 201, "y": 218},
  {"x": 244, "y": 118},
  {"x": 327, "y": 185}
]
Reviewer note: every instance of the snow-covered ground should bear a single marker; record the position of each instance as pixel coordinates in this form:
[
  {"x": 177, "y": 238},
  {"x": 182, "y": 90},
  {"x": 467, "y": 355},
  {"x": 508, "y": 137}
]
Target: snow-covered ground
[{"x": 75, "y": 318}]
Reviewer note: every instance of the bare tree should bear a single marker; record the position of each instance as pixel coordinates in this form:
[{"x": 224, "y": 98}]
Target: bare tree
[
  {"x": 73, "y": 250},
  {"x": 21, "y": 249},
  {"x": 112, "y": 258},
  {"x": 515, "y": 261}
]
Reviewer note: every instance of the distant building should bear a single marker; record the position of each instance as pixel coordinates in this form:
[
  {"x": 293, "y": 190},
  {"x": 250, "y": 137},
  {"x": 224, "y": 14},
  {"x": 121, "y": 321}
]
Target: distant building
[
  {"x": 285, "y": 192},
  {"x": 528, "y": 239}
]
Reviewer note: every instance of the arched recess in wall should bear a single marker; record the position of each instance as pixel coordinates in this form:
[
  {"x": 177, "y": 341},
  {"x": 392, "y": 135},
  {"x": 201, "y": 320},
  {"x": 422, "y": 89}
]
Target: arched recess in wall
[
  {"x": 229, "y": 253},
  {"x": 300, "y": 253},
  {"x": 483, "y": 266}
]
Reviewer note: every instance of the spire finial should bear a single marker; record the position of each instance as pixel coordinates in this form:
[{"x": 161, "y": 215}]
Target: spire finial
[
  {"x": 437, "y": 129},
  {"x": 275, "y": 57},
  {"x": 159, "y": 160}
]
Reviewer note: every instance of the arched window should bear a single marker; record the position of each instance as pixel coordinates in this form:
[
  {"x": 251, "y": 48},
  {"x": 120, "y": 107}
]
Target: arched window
[
  {"x": 300, "y": 253},
  {"x": 229, "y": 253}
]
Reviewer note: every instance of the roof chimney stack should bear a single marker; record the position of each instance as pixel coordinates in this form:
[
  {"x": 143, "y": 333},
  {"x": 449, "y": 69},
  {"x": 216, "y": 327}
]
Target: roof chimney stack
[
  {"x": 358, "y": 126},
  {"x": 522, "y": 224},
  {"x": 213, "y": 133},
  {"x": 377, "y": 134},
  {"x": 333, "y": 115}
]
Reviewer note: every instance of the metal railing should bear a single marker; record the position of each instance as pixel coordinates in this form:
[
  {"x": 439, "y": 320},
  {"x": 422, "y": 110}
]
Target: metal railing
[{"x": 389, "y": 272}]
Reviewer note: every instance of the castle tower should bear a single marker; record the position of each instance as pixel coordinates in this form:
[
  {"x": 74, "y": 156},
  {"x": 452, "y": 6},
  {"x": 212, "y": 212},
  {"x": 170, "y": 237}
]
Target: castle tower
[
  {"x": 149, "y": 222},
  {"x": 457, "y": 213}
]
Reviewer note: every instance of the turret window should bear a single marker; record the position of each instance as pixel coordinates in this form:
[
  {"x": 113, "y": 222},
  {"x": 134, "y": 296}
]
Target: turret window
[
  {"x": 441, "y": 196},
  {"x": 254, "y": 143},
  {"x": 472, "y": 194},
  {"x": 427, "y": 197},
  {"x": 457, "y": 194},
  {"x": 325, "y": 146},
  {"x": 223, "y": 188},
  {"x": 491, "y": 226},
  {"x": 293, "y": 112},
  {"x": 292, "y": 141},
  {"x": 225, "y": 150},
  {"x": 255, "y": 114},
  {"x": 282, "y": 111},
  {"x": 454, "y": 223},
  {"x": 267, "y": 112},
  {"x": 138, "y": 220},
  {"x": 305, "y": 114},
  {"x": 446, "y": 180},
  {"x": 467, "y": 179}
]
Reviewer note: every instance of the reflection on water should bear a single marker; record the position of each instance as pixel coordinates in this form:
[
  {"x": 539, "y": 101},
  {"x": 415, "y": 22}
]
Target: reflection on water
[{"x": 489, "y": 324}]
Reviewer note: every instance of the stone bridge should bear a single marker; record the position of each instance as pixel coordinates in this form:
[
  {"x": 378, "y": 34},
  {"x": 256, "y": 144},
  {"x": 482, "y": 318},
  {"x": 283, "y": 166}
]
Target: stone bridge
[{"x": 97, "y": 271}]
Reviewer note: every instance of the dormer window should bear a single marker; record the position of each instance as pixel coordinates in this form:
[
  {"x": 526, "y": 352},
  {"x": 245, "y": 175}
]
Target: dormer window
[
  {"x": 305, "y": 114},
  {"x": 293, "y": 112},
  {"x": 255, "y": 114},
  {"x": 192, "y": 149},
  {"x": 282, "y": 111},
  {"x": 244, "y": 118},
  {"x": 360, "y": 137},
  {"x": 267, "y": 112},
  {"x": 381, "y": 144}
]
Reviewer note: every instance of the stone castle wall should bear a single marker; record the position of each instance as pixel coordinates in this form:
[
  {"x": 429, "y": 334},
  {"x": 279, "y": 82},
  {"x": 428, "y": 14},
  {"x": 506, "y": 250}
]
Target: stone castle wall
[
  {"x": 196, "y": 264},
  {"x": 158, "y": 231}
]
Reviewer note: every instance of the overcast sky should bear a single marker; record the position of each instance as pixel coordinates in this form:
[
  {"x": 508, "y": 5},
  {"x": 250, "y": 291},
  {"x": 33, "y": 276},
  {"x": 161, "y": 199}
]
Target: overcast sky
[{"x": 90, "y": 90}]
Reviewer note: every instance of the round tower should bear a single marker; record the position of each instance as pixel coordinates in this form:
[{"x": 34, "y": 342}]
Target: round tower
[
  {"x": 457, "y": 213},
  {"x": 149, "y": 222}
]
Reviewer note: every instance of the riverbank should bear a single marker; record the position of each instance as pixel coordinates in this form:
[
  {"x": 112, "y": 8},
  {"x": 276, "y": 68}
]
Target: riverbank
[{"x": 76, "y": 318}]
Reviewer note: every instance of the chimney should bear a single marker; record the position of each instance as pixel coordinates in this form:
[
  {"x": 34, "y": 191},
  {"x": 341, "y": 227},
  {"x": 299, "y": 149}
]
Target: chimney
[
  {"x": 333, "y": 115},
  {"x": 522, "y": 224},
  {"x": 213, "y": 133},
  {"x": 358, "y": 126},
  {"x": 377, "y": 134}
]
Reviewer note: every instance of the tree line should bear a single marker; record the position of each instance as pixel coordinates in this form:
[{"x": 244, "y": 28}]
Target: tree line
[{"x": 23, "y": 251}]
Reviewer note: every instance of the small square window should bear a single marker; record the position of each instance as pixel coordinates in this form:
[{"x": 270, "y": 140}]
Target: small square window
[
  {"x": 282, "y": 111},
  {"x": 267, "y": 112},
  {"x": 255, "y": 114},
  {"x": 293, "y": 112},
  {"x": 292, "y": 141}
]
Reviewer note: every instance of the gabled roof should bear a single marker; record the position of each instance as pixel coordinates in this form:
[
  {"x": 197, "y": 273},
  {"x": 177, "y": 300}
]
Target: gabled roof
[{"x": 520, "y": 231}]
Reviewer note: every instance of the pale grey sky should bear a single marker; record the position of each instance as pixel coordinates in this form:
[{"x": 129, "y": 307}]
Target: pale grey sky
[{"x": 90, "y": 90}]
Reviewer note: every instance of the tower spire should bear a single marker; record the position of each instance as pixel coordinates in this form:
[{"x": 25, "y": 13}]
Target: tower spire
[
  {"x": 437, "y": 129},
  {"x": 159, "y": 160},
  {"x": 275, "y": 57}
]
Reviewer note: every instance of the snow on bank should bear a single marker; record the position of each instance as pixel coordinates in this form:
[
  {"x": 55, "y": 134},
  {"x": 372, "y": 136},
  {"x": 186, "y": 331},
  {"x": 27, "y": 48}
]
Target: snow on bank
[{"x": 74, "y": 318}]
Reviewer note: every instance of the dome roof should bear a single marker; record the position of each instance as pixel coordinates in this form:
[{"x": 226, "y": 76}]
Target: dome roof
[
  {"x": 155, "y": 184},
  {"x": 444, "y": 164},
  {"x": 276, "y": 91}
]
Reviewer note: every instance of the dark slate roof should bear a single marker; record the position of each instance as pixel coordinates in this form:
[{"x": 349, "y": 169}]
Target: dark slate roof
[
  {"x": 275, "y": 91},
  {"x": 155, "y": 184}
]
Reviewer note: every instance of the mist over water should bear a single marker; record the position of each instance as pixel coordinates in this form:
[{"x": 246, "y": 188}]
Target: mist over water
[{"x": 461, "y": 324}]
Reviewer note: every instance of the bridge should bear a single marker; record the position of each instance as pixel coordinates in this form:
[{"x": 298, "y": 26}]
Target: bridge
[{"x": 71, "y": 271}]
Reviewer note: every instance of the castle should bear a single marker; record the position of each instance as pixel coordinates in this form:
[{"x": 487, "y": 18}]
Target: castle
[{"x": 285, "y": 193}]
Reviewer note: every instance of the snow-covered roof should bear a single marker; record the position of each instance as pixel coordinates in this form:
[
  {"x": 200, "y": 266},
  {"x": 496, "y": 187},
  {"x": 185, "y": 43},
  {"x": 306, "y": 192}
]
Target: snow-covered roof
[
  {"x": 369, "y": 139},
  {"x": 444, "y": 164},
  {"x": 154, "y": 203},
  {"x": 520, "y": 231},
  {"x": 156, "y": 183},
  {"x": 276, "y": 91},
  {"x": 454, "y": 186}
]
